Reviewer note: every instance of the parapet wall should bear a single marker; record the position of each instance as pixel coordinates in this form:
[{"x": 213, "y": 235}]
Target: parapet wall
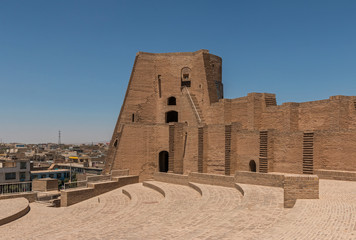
[
  {"x": 296, "y": 186},
  {"x": 300, "y": 187},
  {"x": 336, "y": 175},
  {"x": 30, "y": 196},
  {"x": 264, "y": 179},
  {"x": 211, "y": 179},
  {"x": 171, "y": 178},
  {"x": 73, "y": 196}
]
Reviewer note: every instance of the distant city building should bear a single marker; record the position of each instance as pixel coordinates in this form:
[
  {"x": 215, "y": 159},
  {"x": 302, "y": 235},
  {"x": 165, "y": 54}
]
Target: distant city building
[
  {"x": 14, "y": 171},
  {"x": 59, "y": 174}
]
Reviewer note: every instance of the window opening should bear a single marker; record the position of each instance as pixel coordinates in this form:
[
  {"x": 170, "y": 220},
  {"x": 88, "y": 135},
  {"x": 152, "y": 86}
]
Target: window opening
[
  {"x": 171, "y": 101},
  {"x": 171, "y": 116},
  {"x": 185, "y": 77}
]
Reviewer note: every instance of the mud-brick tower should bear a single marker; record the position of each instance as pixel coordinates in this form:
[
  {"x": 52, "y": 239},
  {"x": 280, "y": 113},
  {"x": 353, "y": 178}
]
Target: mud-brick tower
[{"x": 164, "y": 112}]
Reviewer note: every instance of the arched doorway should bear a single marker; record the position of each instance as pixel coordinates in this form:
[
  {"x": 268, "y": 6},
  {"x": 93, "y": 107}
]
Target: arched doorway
[
  {"x": 163, "y": 161},
  {"x": 171, "y": 116},
  {"x": 252, "y": 166}
]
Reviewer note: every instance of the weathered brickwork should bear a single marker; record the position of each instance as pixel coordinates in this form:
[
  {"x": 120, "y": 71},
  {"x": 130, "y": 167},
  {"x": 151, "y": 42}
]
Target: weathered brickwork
[
  {"x": 45, "y": 185},
  {"x": 174, "y": 114},
  {"x": 300, "y": 187}
]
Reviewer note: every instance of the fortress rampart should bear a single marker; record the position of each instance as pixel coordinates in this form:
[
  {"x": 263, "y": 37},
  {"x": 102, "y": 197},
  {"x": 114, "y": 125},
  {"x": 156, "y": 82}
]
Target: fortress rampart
[{"x": 175, "y": 119}]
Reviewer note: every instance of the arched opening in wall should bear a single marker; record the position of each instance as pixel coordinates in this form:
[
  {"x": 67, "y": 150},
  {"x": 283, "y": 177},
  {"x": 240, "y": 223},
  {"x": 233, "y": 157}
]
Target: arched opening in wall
[
  {"x": 171, "y": 116},
  {"x": 252, "y": 165},
  {"x": 171, "y": 101},
  {"x": 163, "y": 161},
  {"x": 185, "y": 77},
  {"x": 115, "y": 143}
]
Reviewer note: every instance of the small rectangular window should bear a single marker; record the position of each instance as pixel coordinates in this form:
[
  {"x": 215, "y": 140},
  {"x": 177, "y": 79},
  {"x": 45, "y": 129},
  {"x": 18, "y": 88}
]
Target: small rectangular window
[
  {"x": 185, "y": 84},
  {"x": 23, "y": 165},
  {"x": 159, "y": 86},
  {"x": 10, "y": 176},
  {"x": 133, "y": 117},
  {"x": 22, "y": 176}
]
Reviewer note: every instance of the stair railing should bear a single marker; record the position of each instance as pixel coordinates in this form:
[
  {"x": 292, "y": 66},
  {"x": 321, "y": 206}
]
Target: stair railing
[{"x": 191, "y": 100}]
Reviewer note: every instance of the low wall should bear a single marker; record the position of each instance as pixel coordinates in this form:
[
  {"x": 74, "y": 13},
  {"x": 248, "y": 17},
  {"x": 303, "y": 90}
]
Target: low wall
[
  {"x": 154, "y": 187},
  {"x": 296, "y": 186},
  {"x": 73, "y": 196},
  {"x": 119, "y": 173},
  {"x": 30, "y": 196},
  {"x": 212, "y": 179},
  {"x": 255, "y": 178},
  {"x": 98, "y": 178},
  {"x": 336, "y": 175},
  {"x": 171, "y": 178},
  {"x": 11, "y": 210},
  {"x": 300, "y": 187}
]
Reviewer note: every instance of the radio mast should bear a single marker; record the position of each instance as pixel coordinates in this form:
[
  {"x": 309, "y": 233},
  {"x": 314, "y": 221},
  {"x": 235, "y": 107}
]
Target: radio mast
[{"x": 59, "y": 137}]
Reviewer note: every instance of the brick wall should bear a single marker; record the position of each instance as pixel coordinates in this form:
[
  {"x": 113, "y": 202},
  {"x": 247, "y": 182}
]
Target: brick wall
[
  {"x": 171, "y": 178},
  {"x": 212, "y": 179},
  {"x": 30, "y": 196},
  {"x": 216, "y": 149},
  {"x": 336, "y": 175},
  {"x": 140, "y": 147},
  {"x": 73, "y": 196},
  {"x": 335, "y": 150},
  {"x": 44, "y": 184},
  {"x": 288, "y": 152},
  {"x": 264, "y": 179},
  {"x": 190, "y": 157},
  {"x": 300, "y": 187},
  {"x": 296, "y": 186},
  {"x": 247, "y": 149}
]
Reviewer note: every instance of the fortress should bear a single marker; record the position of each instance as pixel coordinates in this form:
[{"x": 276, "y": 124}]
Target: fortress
[{"x": 175, "y": 119}]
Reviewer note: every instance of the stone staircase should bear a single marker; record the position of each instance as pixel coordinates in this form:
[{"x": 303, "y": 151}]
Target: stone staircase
[
  {"x": 195, "y": 106},
  {"x": 199, "y": 111}
]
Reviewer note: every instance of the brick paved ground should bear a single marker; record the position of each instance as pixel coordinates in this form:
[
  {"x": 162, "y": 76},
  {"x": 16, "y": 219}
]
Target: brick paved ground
[{"x": 220, "y": 213}]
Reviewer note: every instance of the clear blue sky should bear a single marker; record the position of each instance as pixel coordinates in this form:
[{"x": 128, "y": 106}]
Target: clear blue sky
[{"x": 65, "y": 65}]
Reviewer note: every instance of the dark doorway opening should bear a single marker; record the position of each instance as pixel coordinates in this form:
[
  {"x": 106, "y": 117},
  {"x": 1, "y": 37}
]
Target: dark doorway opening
[
  {"x": 171, "y": 116},
  {"x": 163, "y": 161},
  {"x": 252, "y": 166}
]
